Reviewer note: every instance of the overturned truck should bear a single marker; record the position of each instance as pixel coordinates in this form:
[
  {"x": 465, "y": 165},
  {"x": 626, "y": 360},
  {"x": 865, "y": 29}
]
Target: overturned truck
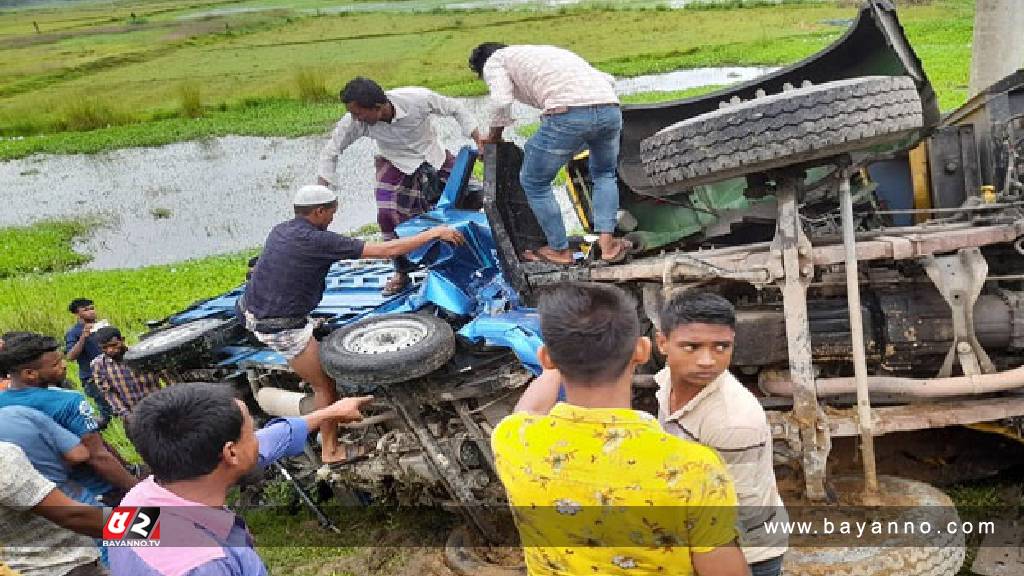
[{"x": 874, "y": 250}]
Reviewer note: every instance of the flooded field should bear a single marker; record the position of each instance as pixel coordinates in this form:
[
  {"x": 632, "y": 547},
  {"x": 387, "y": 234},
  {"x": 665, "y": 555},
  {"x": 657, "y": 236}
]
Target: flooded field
[{"x": 195, "y": 199}]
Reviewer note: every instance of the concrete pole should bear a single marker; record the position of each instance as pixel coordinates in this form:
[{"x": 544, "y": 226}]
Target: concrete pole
[{"x": 998, "y": 47}]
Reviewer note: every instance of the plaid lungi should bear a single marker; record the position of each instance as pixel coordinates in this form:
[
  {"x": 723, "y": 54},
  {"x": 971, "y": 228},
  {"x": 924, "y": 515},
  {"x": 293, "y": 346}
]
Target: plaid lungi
[
  {"x": 398, "y": 195},
  {"x": 287, "y": 343}
]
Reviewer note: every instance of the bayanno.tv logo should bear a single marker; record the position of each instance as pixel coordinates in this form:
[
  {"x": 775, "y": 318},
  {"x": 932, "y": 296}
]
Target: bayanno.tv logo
[{"x": 132, "y": 526}]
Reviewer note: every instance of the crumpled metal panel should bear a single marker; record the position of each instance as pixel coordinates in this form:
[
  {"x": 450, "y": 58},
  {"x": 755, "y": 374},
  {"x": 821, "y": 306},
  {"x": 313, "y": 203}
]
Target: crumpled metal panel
[
  {"x": 463, "y": 281},
  {"x": 518, "y": 330}
]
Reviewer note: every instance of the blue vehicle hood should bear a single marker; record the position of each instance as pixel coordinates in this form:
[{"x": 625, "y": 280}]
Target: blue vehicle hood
[{"x": 464, "y": 282}]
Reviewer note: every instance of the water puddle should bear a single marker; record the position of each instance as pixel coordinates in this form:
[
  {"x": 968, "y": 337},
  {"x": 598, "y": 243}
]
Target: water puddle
[
  {"x": 692, "y": 78},
  {"x": 205, "y": 197}
]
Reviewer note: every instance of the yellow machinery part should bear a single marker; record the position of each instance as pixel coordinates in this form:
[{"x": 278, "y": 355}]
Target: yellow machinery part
[
  {"x": 919, "y": 177},
  {"x": 574, "y": 193},
  {"x": 995, "y": 428}
]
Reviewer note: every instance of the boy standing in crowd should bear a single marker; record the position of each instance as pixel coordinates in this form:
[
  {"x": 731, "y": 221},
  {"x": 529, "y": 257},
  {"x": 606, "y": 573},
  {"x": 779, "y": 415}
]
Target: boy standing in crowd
[
  {"x": 122, "y": 386},
  {"x": 79, "y": 348},
  {"x": 595, "y": 486},
  {"x": 199, "y": 441},
  {"x": 699, "y": 400}
]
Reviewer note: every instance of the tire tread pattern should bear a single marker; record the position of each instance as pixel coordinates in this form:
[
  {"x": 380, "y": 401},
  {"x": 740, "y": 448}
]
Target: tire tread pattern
[{"x": 795, "y": 126}]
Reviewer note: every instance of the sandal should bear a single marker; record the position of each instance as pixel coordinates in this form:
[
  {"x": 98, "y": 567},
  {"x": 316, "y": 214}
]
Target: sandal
[
  {"x": 396, "y": 284},
  {"x": 620, "y": 255},
  {"x": 538, "y": 256}
]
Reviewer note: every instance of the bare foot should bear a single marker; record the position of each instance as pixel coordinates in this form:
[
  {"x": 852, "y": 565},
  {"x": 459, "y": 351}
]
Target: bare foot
[{"x": 344, "y": 453}]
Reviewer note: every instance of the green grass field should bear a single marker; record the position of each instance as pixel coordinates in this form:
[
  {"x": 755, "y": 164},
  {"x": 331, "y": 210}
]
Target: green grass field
[{"x": 95, "y": 77}]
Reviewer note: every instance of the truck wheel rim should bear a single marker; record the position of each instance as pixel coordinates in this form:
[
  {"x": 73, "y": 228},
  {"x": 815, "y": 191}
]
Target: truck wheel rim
[{"x": 384, "y": 336}]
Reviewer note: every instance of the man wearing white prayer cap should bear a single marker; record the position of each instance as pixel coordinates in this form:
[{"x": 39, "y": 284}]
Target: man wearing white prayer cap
[{"x": 288, "y": 282}]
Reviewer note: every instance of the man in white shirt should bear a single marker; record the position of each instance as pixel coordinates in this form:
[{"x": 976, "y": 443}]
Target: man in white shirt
[
  {"x": 579, "y": 110},
  {"x": 38, "y": 523},
  {"x": 409, "y": 153},
  {"x": 699, "y": 400}
]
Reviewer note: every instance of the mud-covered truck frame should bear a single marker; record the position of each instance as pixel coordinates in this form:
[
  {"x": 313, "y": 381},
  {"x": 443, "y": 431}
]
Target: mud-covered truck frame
[{"x": 872, "y": 247}]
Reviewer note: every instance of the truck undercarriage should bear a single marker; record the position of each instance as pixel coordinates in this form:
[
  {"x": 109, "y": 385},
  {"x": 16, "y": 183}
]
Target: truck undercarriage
[{"x": 874, "y": 251}]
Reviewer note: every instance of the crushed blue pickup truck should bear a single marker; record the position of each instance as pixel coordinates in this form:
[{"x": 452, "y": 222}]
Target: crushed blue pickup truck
[{"x": 873, "y": 247}]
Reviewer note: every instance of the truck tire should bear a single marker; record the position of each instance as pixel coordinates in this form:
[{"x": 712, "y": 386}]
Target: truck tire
[
  {"x": 798, "y": 125},
  {"x": 177, "y": 346},
  {"x": 462, "y": 556},
  {"x": 386, "y": 350},
  {"x": 942, "y": 557}
]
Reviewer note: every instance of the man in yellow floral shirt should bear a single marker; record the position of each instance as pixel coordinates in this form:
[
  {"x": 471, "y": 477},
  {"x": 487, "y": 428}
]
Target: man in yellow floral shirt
[{"x": 598, "y": 488}]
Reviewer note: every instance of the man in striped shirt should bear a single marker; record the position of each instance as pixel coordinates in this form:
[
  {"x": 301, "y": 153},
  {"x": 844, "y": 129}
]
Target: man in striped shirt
[
  {"x": 579, "y": 110},
  {"x": 122, "y": 386}
]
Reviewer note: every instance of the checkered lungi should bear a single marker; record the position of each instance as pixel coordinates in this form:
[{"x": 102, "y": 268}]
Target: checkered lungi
[
  {"x": 287, "y": 343},
  {"x": 398, "y": 195}
]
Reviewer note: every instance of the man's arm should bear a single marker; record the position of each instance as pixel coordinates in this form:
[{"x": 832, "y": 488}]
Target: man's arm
[
  {"x": 78, "y": 454},
  {"x": 61, "y": 440},
  {"x": 284, "y": 437},
  {"x": 725, "y": 560},
  {"x": 74, "y": 350},
  {"x": 502, "y": 96},
  {"x": 344, "y": 410},
  {"x": 402, "y": 246},
  {"x": 346, "y": 131},
  {"x": 542, "y": 394},
  {"x": 22, "y": 487},
  {"x": 105, "y": 464},
  {"x": 75, "y": 516}
]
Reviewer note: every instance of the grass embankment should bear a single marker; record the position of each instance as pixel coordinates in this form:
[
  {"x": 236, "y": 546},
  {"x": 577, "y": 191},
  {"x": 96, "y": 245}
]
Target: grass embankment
[
  {"x": 42, "y": 247},
  {"x": 270, "y": 72}
]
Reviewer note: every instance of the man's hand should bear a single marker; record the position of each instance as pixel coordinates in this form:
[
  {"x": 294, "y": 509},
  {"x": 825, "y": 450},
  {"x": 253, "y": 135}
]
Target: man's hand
[
  {"x": 347, "y": 409},
  {"x": 86, "y": 331},
  {"x": 449, "y": 235}
]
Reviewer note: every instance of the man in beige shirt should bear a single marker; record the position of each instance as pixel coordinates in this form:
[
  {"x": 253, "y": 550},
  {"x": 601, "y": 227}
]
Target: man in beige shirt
[
  {"x": 408, "y": 151},
  {"x": 579, "y": 110},
  {"x": 699, "y": 400}
]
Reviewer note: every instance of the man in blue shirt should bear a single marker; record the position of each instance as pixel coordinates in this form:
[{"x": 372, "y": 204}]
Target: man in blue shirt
[
  {"x": 36, "y": 365},
  {"x": 80, "y": 348},
  {"x": 50, "y": 447},
  {"x": 288, "y": 283},
  {"x": 200, "y": 440}
]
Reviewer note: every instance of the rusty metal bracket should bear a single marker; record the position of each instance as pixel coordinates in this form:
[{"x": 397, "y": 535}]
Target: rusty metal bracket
[
  {"x": 959, "y": 278},
  {"x": 692, "y": 268},
  {"x": 795, "y": 249},
  {"x": 443, "y": 463}
]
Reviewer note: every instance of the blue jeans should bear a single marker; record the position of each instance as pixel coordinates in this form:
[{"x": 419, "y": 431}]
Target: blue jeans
[
  {"x": 559, "y": 138},
  {"x": 770, "y": 567}
]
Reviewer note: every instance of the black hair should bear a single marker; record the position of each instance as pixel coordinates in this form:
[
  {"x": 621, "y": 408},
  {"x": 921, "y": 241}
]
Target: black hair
[
  {"x": 364, "y": 92},
  {"x": 694, "y": 307},
  {"x": 590, "y": 330},
  {"x": 478, "y": 57},
  {"x": 79, "y": 303},
  {"x": 180, "y": 431},
  {"x": 106, "y": 334},
  {"x": 307, "y": 210},
  {"x": 24, "y": 349}
]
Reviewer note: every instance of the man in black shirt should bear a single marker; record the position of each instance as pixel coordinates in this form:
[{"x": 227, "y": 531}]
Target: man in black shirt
[{"x": 288, "y": 283}]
